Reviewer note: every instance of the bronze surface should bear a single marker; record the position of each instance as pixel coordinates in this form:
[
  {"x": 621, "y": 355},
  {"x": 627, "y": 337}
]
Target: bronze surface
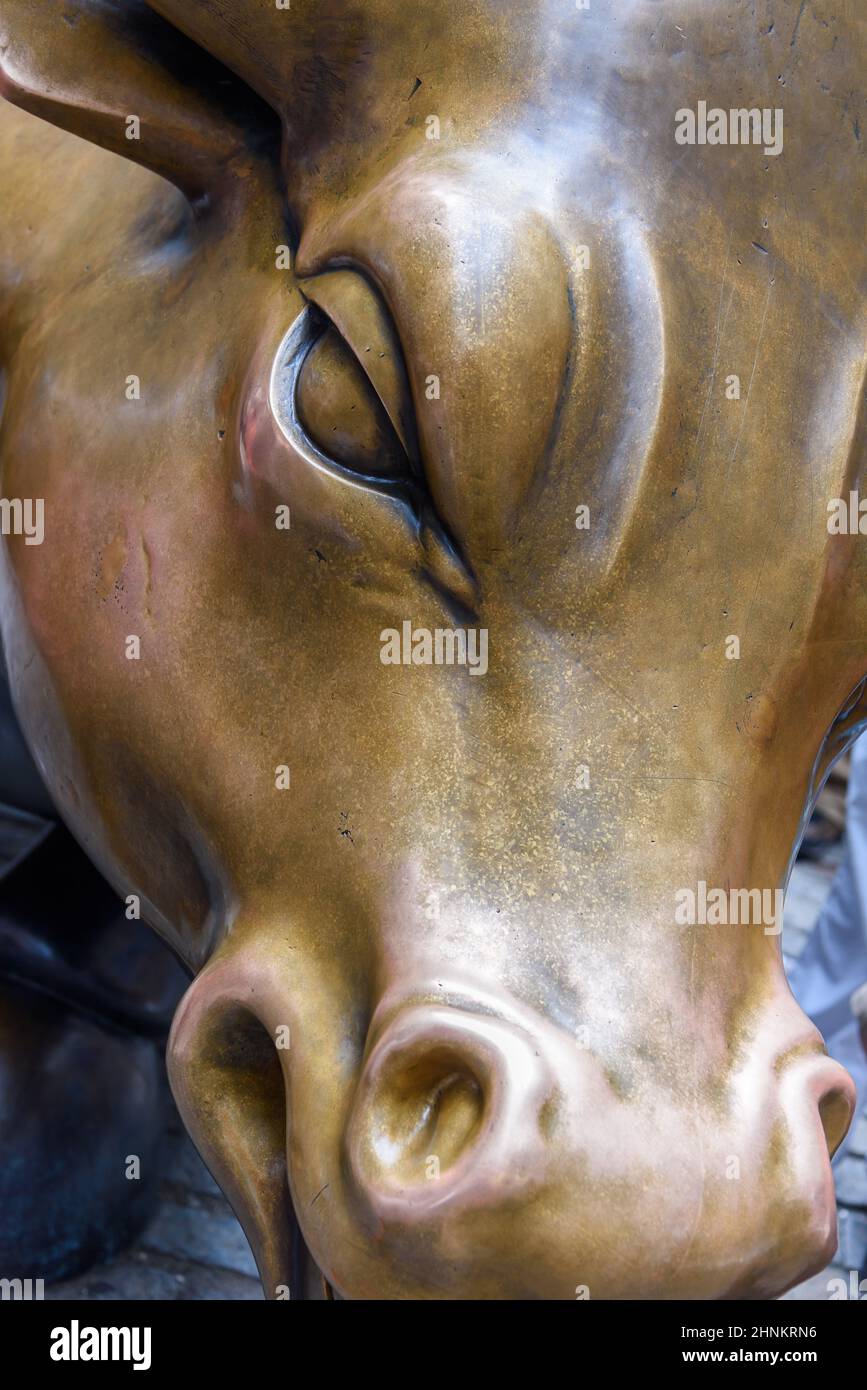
[{"x": 462, "y": 907}]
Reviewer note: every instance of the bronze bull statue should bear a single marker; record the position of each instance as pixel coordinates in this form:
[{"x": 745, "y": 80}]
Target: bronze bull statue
[{"x": 436, "y": 413}]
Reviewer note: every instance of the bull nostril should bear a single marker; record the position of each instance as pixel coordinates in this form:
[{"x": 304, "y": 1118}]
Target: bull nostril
[
  {"x": 835, "y": 1112},
  {"x": 227, "y": 1080},
  {"x": 450, "y": 1106},
  {"x": 818, "y": 1095},
  {"x": 426, "y": 1113}
]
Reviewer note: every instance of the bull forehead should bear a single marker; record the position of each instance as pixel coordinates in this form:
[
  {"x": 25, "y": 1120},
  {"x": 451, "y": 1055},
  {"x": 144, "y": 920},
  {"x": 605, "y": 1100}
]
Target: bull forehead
[{"x": 321, "y": 61}]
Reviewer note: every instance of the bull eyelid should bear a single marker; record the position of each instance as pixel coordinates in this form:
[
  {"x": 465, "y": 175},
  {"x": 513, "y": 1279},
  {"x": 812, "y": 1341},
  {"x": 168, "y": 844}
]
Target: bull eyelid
[{"x": 348, "y": 298}]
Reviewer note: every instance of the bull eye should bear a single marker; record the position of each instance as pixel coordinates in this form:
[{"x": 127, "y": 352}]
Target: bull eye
[
  {"x": 341, "y": 396},
  {"x": 339, "y": 391},
  {"x": 340, "y": 411}
]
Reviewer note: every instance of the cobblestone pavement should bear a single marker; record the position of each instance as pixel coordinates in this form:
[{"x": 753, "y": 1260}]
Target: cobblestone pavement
[
  {"x": 195, "y": 1249},
  {"x": 192, "y": 1249}
]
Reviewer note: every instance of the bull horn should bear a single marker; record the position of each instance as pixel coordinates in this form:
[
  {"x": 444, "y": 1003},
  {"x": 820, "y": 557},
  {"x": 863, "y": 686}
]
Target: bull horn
[{"x": 107, "y": 72}]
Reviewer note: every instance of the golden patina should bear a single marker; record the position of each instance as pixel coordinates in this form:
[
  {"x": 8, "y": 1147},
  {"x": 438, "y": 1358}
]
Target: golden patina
[{"x": 446, "y": 1038}]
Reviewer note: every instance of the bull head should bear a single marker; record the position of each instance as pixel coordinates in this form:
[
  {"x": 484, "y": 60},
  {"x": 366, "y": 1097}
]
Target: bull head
[{"x": 417, "y": 334}]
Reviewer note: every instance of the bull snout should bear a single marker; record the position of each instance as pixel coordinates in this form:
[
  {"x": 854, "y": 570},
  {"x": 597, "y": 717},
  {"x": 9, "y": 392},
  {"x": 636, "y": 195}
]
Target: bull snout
[
  {"x": 473, "y": 1147},
  {"x": 462, "y": 1116}
]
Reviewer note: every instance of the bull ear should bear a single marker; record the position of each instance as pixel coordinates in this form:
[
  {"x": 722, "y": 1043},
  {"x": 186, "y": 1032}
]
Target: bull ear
[{"x": 118, "y": 75}]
